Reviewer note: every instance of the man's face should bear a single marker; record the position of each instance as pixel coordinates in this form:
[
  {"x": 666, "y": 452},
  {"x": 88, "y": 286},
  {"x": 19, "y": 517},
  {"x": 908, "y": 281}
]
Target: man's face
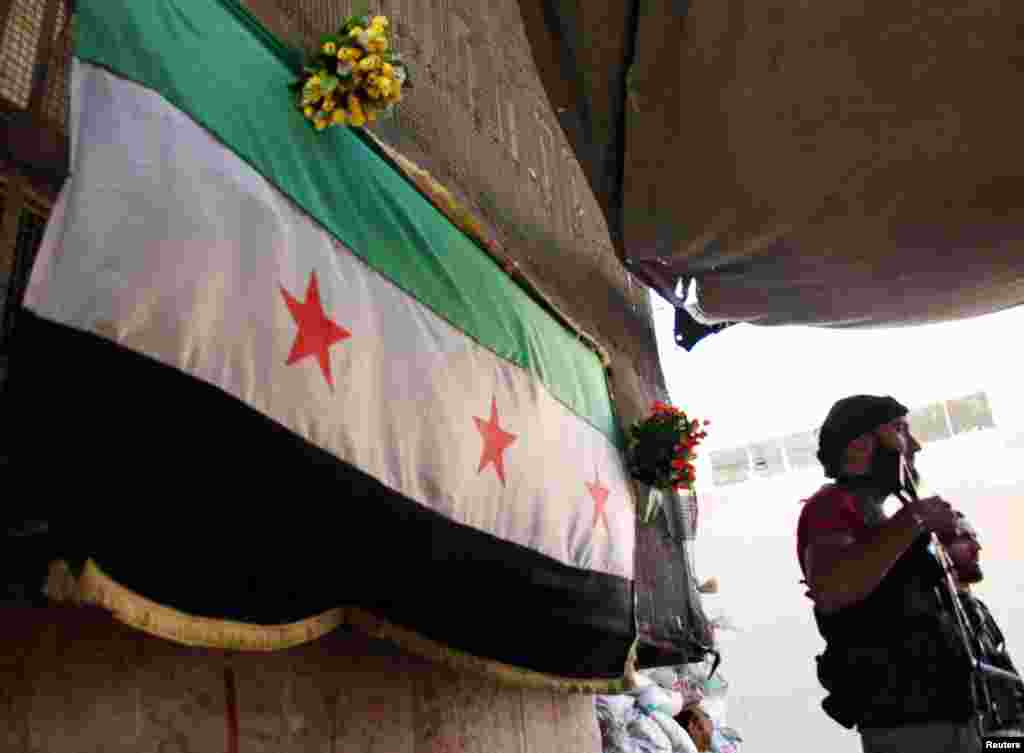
[
  {"x": 895, "y": 435},
  {"x": 700, "y": 730},
  {"x": 964, "y": 551},
  {"x": 877, "y": 452}
]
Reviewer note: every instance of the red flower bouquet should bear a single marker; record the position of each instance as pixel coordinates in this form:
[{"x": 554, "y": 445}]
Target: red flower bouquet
[{"x": 661, "y": 451}]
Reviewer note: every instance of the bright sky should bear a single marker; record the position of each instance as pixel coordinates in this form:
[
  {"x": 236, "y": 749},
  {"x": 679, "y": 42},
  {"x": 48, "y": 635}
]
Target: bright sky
[{"x": 761, "y": 382}]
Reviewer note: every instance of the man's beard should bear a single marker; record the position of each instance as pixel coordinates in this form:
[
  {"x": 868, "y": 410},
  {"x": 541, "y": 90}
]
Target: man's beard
[
  {"x": 970, "y": 574},
  {"x": 885, "y": 473},
  {"x": 883, "y": 478}
]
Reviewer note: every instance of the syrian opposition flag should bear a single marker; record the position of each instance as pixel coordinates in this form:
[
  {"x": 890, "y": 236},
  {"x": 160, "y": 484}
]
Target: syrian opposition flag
[{"x": 267, "y": 379}]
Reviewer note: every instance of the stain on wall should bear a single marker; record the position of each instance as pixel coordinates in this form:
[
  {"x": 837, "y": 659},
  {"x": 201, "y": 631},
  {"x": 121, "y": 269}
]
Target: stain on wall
[{"x": 72, "y": 680}]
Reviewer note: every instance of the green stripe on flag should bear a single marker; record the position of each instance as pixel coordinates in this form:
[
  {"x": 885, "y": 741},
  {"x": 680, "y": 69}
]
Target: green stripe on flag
[{"x": 217, "y": 64}]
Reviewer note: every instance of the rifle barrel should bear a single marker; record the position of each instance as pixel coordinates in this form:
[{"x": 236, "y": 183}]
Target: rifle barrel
[{"x": 1003, "y": 674}]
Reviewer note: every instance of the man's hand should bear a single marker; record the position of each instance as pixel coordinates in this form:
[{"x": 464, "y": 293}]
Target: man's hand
[
  {"x": 936, "y": 514},
  {"x": 842, "y": 569}
]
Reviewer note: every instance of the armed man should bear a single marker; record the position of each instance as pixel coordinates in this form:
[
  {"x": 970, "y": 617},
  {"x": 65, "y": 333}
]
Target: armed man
[
  {"x": 1004, "y": 715},
  {"x": 895, "y": 663}
]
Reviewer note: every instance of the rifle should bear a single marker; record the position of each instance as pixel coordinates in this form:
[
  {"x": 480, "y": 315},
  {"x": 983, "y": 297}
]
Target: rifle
[{"x": 979, "y": 670}]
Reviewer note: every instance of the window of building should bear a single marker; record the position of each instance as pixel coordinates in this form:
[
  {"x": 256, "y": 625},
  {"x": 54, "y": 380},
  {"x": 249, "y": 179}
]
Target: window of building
[
  {"x": 766, "y": 458},
  {"x": 801, "y": 450},
  {"x": 970, "y": 413},
  {"x": 772, "y": 457},
  {"x": 929, "y": 423},
  {"x": 730, "y": 466}
]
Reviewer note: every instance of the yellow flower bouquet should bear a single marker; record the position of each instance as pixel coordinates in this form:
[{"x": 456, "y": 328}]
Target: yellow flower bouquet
[{"x": 354, "y": 77}]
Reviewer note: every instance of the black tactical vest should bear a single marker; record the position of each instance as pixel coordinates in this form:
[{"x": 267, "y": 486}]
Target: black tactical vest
[
  {"x": 1006, "y": 699},
  {"x": 895, "y": 658}
]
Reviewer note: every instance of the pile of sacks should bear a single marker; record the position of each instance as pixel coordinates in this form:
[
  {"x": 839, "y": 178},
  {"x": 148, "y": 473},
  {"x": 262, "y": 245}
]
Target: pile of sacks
[{"x": 641, "y": 721}]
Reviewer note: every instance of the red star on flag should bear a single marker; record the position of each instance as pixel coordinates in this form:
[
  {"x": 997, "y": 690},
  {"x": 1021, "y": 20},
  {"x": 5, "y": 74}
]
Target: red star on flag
[
  {"x": 599, "y": 493},
  {"x": 316, "y": 332},
  {"x": 496, "y": 441}
]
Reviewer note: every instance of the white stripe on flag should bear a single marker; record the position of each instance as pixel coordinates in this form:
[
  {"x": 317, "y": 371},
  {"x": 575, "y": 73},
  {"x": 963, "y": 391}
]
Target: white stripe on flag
[{"x": 167, "y": 243}]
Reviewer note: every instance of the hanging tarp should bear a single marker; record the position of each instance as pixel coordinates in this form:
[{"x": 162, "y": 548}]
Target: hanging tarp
[
  {"x": 830, "y": 165},
  {"x": 303, "y": 389}
]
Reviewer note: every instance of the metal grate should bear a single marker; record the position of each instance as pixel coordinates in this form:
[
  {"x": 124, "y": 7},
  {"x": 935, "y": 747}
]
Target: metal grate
[
  {"x": 54, "y": 106},
  {"x": 18, "y": 48},
  {"x": 33, "y": 76}
]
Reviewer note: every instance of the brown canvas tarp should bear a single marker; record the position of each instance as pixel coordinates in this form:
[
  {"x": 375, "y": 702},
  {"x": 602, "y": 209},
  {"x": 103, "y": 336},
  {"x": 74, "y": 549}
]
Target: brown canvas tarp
[{"x": 842, "y": 164}]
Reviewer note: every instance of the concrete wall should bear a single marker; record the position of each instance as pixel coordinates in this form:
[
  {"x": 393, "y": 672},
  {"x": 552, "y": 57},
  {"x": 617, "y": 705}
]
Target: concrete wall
[
  {"x": 480, "y": 121},
  {"x": 74, "y": 681}
]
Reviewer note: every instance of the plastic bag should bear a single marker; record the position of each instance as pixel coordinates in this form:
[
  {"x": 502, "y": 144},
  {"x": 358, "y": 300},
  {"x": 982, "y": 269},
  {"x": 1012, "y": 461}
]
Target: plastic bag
[
  {"x": 699, "y": 672},
  {"x": 678, "y": 680},
  {"x": 730, "y": 734},
  {"x": 618, "y": 740},
  {"x": 665, "y": 677},
  {"x": 716, "y": 685},
  {"x": 614, "y": 706},
  {"x": 712, "y": 692},
  {"x": 721, "y": 744},
  {"x": 647, "y": 735},
  {"x": 691, "y": 690},
  {"x": 678, "y": 737},
  {"x": 655, "y": 697},
  {"x": 613, "y": 713},
  {"x": 715, "y": 707}
]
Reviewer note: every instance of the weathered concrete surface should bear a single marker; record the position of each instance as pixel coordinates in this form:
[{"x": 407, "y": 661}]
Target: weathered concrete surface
[
  {"x": 74, "y": 681},
  {"x": 480, "y": 121}
]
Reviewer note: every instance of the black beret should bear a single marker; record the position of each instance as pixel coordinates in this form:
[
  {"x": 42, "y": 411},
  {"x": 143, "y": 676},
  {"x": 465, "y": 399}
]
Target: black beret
[{"x": 848, "y": 419}]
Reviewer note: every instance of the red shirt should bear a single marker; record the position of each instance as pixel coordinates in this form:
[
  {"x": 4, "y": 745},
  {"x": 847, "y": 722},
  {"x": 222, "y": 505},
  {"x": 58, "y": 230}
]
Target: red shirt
[{"x": 832, "y": 509}]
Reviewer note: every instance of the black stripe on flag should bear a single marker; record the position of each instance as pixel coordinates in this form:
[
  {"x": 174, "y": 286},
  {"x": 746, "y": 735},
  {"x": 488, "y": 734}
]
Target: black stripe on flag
[{"x": 195, "y": 500}]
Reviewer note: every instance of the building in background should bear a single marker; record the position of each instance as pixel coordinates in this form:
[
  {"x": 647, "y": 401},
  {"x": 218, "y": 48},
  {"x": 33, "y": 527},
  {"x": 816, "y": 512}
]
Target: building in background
[{"x": 775, "y": 456}]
